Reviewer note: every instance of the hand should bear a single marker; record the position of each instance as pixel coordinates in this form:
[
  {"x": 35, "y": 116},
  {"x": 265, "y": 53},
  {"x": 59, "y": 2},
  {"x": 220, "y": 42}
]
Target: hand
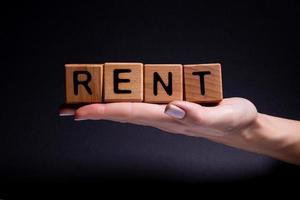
[
  {"x": 219, "y": 123},
  {"x": 234, "y": 122}
]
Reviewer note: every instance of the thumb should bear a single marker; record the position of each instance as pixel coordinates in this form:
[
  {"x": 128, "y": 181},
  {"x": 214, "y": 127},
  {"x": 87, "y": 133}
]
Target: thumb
[{"x": 195, "y": 114}]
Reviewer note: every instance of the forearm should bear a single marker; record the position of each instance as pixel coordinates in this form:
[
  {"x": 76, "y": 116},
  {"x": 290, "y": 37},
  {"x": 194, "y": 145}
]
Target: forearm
[{"x": 275, "y": 137}]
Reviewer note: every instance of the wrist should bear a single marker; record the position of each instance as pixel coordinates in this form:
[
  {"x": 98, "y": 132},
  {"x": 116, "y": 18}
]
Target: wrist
[{"x": 274, "y": 136}]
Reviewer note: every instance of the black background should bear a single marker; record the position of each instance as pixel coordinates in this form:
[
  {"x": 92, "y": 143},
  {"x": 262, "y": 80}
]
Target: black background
[{"x": 256, "y": 42}]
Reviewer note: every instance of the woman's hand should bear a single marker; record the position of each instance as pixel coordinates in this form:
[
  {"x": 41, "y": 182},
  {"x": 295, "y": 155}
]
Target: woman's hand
[{"x": 234, "y": 122}]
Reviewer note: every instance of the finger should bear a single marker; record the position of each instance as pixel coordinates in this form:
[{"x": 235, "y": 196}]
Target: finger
[
  {"x": 195, "y": 114},
  {"x": 137, "y": 113}
]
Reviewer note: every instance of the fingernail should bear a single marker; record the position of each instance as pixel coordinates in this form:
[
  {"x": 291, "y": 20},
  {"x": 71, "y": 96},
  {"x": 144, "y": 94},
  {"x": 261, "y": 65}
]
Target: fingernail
[
  {"x": 174, "y": 111},
  {"x": 79, "y": 119},
  {"x": 66, "y": 112}
]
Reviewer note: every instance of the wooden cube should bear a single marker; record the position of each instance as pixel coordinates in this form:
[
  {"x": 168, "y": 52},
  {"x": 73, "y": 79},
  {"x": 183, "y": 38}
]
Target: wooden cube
[
  {"x": 163, "y": 83},
  {"x": 123, "y": 82},
  {"x": 84, "y": 83},
  {"x": 203, "y": 83}
]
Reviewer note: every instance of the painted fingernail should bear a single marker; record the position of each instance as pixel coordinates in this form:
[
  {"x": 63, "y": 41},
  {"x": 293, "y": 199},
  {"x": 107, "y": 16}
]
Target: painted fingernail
[
  {"x": 174, "y": 111},
  {"x": 66, "y": 112}
]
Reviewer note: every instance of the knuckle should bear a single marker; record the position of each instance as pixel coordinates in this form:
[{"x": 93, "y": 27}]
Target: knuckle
[
  {"x": 196, "y": 119},
  {"x": 80, "y": 113},
  {"x": 98, "y": 110},
  {"x": 128, "y": 115}
]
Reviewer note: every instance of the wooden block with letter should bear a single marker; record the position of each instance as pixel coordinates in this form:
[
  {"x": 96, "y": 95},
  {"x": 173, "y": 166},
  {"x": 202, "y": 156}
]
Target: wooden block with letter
[
  {"x": 203, "y": 83},
  {"x": 83, "y": 83},
  {"x": 163, "y": 83},
  {"x": 123, "y": 82}
]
